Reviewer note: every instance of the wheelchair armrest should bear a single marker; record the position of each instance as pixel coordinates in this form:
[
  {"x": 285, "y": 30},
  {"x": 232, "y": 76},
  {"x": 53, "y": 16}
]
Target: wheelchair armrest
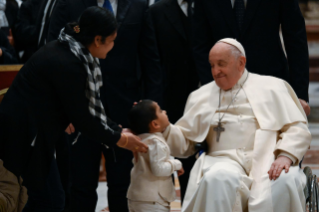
[{"x": 201, "y": 147}]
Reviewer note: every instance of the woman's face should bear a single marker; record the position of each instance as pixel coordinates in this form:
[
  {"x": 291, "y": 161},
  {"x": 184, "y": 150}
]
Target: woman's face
[{"x": 99, "y": 49}]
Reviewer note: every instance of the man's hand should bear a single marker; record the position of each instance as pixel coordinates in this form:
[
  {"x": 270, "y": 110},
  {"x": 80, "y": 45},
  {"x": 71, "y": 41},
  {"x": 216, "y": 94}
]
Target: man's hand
[
  {"x": 282, "y": 162},
  {"x": 180, "y": 172},
  {"x": 70, "y": 129},
  {"x": 305, "y": 106},
  {"x": 10, "y": 38}
]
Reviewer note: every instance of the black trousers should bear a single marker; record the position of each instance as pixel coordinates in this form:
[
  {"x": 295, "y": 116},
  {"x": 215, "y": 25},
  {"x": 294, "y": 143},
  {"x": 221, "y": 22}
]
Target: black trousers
[
  {"x": 85, "y": 166},
  {"x": 51, "y": 197}
]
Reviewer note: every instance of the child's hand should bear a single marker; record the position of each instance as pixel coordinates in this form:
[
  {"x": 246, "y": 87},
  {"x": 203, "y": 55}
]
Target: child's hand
[{"x": 180, "y": 172}]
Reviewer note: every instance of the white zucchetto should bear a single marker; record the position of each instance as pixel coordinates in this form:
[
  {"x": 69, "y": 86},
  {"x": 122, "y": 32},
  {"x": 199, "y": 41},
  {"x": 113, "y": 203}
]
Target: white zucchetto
[{"x": 235, "y": 43}]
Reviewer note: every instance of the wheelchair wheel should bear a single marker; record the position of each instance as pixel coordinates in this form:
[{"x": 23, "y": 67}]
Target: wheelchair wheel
[
  {"x": 314, "y": 195},
  {"x": 317, "y": 192},
  {"x": 308, "y": 174}
]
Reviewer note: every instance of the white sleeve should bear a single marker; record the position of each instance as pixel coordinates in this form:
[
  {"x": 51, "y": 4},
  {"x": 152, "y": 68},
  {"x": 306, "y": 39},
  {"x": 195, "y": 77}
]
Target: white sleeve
[
  {"x": 291, "y": 157},
  {"x": 294, "y": 140},
  {"x": 179, "y": 145},
  {"x": 160, "y": 165}
]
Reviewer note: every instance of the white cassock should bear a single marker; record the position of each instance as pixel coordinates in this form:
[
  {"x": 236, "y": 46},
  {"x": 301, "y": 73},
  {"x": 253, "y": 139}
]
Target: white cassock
[{"x": 265, "y": 120}]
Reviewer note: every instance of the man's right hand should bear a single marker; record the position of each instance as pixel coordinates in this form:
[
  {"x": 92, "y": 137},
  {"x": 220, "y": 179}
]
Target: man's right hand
[{"x": 134, "y": 143}]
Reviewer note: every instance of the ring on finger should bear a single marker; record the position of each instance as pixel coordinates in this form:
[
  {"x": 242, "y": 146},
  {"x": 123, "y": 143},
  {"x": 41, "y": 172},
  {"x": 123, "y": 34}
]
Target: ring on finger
[{"x": 137, "y": 147}]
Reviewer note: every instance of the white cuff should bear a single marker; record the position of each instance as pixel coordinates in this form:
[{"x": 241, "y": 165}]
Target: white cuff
[
  {"x": 166, "y": 131},
  {"x": 177, "y": 164},
  {"x": 291, "y": 157}
]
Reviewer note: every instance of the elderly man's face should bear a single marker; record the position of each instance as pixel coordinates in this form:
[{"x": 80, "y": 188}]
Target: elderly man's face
[{"x": 226, "y": 68}]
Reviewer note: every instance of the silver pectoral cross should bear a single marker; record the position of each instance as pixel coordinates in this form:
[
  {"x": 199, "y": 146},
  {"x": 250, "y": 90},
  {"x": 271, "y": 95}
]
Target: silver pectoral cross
[{"x": 219, "y": 129}]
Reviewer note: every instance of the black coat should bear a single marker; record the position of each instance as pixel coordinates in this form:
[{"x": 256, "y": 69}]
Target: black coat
[
  {"x": 45, "y": 28},
  {"x": 26, "y": 29},
  {"x": 47, "y": 94},
  {"x": 168, "y": 27},
  {"x": 121, "y": 69},
  {"x": 214, "y": 20},
  {"x": 8, "y": 52},
  {"x": 11, "y": 12}
]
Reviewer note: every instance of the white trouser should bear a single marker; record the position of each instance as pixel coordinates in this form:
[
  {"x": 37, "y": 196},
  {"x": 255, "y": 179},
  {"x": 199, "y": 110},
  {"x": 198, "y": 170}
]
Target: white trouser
[
  {"x": 225, "y": 187},
  {"x": 287, "y": 191},
  {"x": 137, "y": 206}
]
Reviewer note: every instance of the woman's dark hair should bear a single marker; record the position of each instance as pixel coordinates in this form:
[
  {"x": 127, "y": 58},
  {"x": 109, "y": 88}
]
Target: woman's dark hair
[
  {"x": 141, "y": 115},
  {"x": 93, "y": 21}
]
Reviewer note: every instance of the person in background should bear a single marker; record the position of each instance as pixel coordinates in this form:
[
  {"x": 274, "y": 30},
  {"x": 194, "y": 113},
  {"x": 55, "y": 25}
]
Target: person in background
[
  {"x": 25, "y": 31},
  {"x": 7, "y": 52},
  {"x": 150, "y": 2},
  {"x": 11, "y": 11}
]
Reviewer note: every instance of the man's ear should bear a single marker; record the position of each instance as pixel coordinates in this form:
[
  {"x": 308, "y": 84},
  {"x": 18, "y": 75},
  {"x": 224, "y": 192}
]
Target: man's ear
[{"x": 242, "y": 62}]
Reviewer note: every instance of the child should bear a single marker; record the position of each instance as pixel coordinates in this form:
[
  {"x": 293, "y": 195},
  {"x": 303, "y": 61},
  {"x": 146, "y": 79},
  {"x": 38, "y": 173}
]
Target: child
[{"x": 151, "y": 188}]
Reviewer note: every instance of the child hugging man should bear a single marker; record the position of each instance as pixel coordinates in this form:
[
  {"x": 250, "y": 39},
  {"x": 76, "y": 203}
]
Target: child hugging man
[{"x": 151, "y": 188}]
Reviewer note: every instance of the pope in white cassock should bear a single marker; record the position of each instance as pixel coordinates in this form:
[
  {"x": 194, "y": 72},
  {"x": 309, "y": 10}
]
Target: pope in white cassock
[{"x": 257, "y": 134}]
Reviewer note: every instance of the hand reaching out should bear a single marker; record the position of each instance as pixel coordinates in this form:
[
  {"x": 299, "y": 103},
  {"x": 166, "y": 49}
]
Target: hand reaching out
[
  {"x": 282, "y": 162},
  {"x": 132, "y": 142},
  {"x": 180, "y": 172}
]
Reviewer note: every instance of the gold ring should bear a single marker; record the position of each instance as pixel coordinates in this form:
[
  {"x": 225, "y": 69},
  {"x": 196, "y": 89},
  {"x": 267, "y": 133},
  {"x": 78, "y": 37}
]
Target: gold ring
[{"x": 137, "y": 147}]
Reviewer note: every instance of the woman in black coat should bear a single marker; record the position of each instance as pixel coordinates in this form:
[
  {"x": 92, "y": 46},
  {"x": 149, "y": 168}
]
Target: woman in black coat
[{"x": 60, "y": 85}]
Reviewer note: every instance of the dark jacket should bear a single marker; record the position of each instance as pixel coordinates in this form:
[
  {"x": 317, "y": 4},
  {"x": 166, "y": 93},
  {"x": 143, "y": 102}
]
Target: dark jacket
[
  {"x": 44, "y": 30},
  {"x": 47, "y": 94},
  {"x": 8, "y": 52},
  {"x": 170, "y": 29},
  {"x": 121, "y": 69},
  {"x": 214, "y": 20},
  {"x": 26, "y": 30},
  {"x": 11, "y": 12}
]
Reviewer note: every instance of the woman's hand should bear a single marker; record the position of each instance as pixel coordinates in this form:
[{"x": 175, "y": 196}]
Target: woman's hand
[
  {"x": 70, "y": 129},
  {"x": 132, "y": 142}
]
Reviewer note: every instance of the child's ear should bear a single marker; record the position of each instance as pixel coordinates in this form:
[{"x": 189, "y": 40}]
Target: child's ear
[{"x": 154, "y": 125}]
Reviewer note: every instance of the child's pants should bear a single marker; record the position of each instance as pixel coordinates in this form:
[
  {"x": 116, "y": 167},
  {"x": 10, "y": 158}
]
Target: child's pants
[{"x": 137, "y": 206}]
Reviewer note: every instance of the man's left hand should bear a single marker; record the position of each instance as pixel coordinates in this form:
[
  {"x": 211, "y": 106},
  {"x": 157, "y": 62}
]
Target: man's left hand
[
  {"x": 282, "y": 162},
  {"x": 305, "y": 106}
]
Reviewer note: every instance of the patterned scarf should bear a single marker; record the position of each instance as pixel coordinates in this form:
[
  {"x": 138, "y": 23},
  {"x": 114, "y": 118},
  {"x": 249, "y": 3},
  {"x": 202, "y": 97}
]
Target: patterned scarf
[{"x": 94, "y": 76}]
